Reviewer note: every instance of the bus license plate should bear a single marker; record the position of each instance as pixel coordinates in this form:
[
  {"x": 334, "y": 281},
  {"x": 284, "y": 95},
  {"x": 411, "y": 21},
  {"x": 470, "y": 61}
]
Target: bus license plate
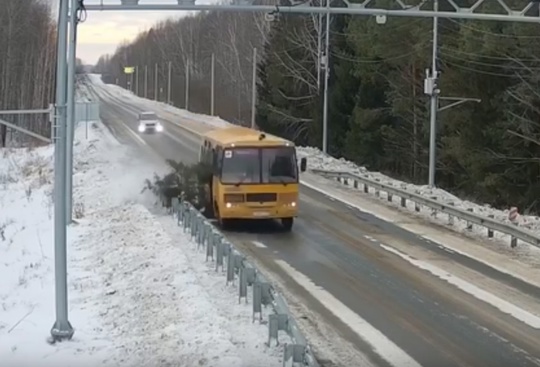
[{"x": 261, "y": 214}]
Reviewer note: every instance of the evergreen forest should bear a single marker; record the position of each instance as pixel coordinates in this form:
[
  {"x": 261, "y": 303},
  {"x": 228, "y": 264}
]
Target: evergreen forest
[{"x": 488, "y": 148}]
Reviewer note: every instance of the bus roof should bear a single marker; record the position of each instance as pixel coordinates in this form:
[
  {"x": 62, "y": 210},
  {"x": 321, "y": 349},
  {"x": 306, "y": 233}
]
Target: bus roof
[{"x": 243, "y": 136}]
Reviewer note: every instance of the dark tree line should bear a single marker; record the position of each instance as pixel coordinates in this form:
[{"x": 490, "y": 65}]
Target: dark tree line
[
  {"x": 27, "y": 64},
  {"x": 378, "y": 112}
]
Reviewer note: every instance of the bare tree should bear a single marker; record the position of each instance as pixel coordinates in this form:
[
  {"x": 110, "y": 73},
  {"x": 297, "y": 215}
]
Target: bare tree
[{"x": 27, "y": 38}]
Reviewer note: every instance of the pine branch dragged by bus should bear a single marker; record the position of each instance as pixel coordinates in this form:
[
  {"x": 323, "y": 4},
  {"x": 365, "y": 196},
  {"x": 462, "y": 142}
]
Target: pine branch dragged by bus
[{"x": 188, "y": 180}]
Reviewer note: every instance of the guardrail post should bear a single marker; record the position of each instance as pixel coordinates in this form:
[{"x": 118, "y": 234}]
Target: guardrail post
[
  {"x": 416, "y": 207},
  {"x": 469, "y": 224},
  {"x": 230, "y": 268},
  {"x": 276, "y": 322},
  {"x": 389, "y": 197},
  {"x": 213, "y": 240},
  {"x": 404, "y": 202},
  {"x": 355, "y": 184},
  {"x": 450, "y": 217},
  {"x": 513, "y": 241},
  {"x": 366, "y": 188},
  {"x": 433, "y": 210},
  {"x": 247, "y": 277},
  {"x": 346, "y": 181},
  {"x": 261, "y": 296},
  {"x": 220, "y": 253},
  {"x": 294, "y": 351},
  {"x": 489, "y": 230}
]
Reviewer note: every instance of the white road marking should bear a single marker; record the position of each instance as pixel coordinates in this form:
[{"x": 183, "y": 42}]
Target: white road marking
[
  {"x": 134, "y": 135},
  {"x": 259, "y": 244},
  {"x": 383, "y": 346},
  {"x": 504, "y": 306}
]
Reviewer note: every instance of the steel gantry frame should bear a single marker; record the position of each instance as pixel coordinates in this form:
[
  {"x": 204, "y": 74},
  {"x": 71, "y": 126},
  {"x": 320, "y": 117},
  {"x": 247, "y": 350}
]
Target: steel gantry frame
[{"x": 62, "y": 328}]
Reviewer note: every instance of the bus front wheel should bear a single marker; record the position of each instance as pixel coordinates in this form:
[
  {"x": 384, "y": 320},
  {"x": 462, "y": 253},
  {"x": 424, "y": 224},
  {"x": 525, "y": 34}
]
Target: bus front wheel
[{"x": 287, "y": 223}]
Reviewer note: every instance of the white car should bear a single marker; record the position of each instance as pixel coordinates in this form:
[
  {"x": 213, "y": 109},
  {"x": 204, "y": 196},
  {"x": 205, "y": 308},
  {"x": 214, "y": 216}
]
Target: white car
[{"x": 149, "y": 122}]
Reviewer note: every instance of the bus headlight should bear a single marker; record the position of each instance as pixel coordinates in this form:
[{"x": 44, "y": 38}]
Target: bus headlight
[
  {"x": 141, "y": 128},
  {"x": 233, "y": 198},
  {"x": 159, "y": 127}
]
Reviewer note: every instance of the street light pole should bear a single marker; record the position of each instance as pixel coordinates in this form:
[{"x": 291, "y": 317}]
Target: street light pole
[
  {"x": 434, "y": 102},
  {"x": 254, "y": 88},
  {"x": 187, "y": 84},
  {"x": 70, "y": 131},
  {"x": 326, "y": 77},
  {"x": 169, "y": 83},
  {"x": 156, "y": 83},
  {"x": 212, "y": 82},
  {"x": 62, "y": 328},
  {"x": 145, "y": 81}
]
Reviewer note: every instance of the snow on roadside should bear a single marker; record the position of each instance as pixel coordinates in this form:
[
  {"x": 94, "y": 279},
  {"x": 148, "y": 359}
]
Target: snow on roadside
[
  {"x": 318, "y": 160},
  {"x": 135, "y": 297},
  {"x": 125, "y": 94}
]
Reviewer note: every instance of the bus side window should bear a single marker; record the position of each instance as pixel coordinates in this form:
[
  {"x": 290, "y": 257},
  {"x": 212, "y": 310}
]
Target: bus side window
[{"x": 219, "y": 155}]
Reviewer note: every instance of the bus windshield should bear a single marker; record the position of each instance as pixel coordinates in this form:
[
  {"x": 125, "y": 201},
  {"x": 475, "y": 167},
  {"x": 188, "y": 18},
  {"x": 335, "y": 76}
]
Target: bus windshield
[{"x": 259, "y": 165}]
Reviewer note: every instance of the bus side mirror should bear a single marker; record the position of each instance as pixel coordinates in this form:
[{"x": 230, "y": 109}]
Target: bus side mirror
[{"x": 303, "y": 164}]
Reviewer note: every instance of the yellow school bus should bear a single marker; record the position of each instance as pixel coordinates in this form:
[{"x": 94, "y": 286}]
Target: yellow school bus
[{"x": 254, "y": 175}]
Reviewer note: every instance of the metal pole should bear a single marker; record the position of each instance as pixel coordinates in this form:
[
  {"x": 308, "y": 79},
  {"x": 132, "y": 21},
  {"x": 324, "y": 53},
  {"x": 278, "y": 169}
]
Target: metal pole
[
  {"x": 212, "y": 86},
  {"x": 319, "y": 49},
  {"x": 187, "y": 84},
  {"x": 326, "y": 77},
  {"x": 169, "y": 84},
  {"x": 62, "y": 328},
  {"x": 434, "y": 102},
  {"x": 136, "y": 80},
  {"x": 86, "y": 120},
  {"x": 71, "y": 110},
  {"x": 254, "y": 88},
  {"x": 156, "y": 84},
  {"x": 145, "y": 81}
]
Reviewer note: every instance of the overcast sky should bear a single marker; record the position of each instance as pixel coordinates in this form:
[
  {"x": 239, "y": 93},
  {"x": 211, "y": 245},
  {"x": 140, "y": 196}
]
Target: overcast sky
[{"x": 104, "y": 30}]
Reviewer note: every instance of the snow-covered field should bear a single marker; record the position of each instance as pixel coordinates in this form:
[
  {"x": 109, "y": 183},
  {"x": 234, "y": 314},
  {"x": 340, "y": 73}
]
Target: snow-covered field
[{"x": 140, "y": 294}]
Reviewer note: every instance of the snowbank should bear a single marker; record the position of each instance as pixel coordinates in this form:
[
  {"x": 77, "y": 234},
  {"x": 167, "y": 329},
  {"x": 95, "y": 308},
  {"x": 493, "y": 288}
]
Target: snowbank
[
  {"x": 319, "y": 160},
  {"x": 137, "y": 294},
  {"x": 127, "y": 95}
]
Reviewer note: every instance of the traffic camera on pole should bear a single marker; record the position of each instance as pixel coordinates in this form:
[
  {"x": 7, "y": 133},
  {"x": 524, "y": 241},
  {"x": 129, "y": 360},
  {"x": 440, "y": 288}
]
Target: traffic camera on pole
[{"x": 431, "y": 84}]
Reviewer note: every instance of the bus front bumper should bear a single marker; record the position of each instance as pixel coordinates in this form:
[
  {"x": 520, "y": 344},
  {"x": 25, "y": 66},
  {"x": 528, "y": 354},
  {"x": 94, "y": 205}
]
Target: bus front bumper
[{"x": 238, "y": 211}]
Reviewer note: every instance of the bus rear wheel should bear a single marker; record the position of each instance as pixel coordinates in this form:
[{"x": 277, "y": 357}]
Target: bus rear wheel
[{"x": 287, "y": 223}]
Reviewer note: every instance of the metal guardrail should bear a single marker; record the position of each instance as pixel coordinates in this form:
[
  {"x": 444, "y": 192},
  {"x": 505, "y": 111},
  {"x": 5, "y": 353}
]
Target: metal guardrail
[
  {"x": 489, "y": 222},
  {"x": 237, "y": 267}
]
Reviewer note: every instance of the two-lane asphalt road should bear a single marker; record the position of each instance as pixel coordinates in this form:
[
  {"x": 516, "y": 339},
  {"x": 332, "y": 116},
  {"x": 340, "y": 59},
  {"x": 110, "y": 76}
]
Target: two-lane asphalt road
[{"x": 388, "y": 310}]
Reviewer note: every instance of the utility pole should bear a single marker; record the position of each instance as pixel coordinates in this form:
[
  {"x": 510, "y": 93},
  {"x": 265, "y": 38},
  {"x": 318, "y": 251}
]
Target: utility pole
[
  {"x": 254, "y": 88},
  {"x": 319, "y": 49},
  {"x": 187, "y": 84},
  {"x": 434, "y": 93},
  {"x": 70, "y": 126},
  {"x": 326, "y": 77},
  {"x": 62, "y": 328},
  {"x": 156, "y": 84},
  {"x": 212, "y": 84},
  {"x": 145, "y": 81},
  {"x": 136, "y": 80},
  {"x": 169, "y": 84}
]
